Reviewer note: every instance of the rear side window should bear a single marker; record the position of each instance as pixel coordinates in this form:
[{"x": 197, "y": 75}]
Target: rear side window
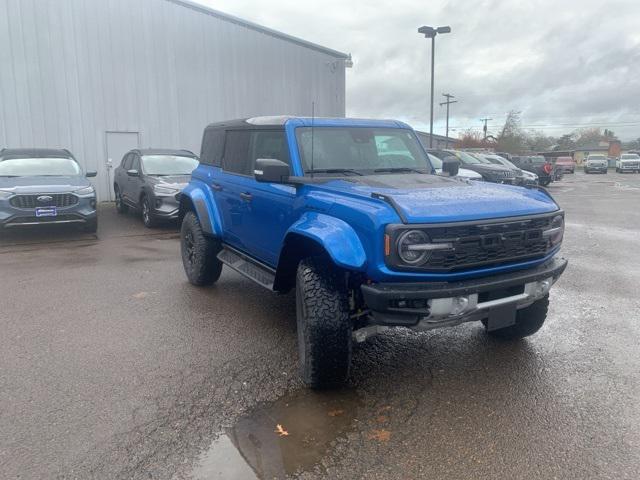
[
  {"x": 212, "y": 147},
  {"x": 236, "y": 153},
  {"x": 126, "y": 161}
]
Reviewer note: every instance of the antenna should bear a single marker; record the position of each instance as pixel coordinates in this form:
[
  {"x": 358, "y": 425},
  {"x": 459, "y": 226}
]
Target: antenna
[{"x": 313, "y": 116}]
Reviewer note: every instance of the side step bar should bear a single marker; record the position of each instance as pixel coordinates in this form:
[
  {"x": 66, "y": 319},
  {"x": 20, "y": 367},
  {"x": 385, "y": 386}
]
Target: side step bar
[{"x": 248, "y": 267}]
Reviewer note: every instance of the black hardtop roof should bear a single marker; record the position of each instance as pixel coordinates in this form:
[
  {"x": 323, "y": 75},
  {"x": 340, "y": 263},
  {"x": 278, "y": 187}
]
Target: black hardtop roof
[
  {"x": 7, "y": 153},
  {"x": 163, "y": 151}
]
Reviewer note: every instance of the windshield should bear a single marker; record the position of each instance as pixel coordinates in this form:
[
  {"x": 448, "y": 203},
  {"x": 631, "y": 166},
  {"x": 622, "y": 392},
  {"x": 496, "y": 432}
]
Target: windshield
[
  {"x": 363, "y": 150},
  {"x": 37, "y": 167},
  {"x": 538, "y": 159},
  {"x": 435, "y": 161},
  {"x": 502, "y": 161},
  {"x": 630, "y": 156},
  {"x": 168, "y": 165},
  {"x": 596, "y": 157}
]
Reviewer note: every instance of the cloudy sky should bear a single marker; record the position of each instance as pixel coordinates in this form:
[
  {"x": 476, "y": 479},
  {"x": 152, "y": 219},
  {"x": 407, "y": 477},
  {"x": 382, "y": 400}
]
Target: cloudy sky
[{"x": 565, "y": 64}]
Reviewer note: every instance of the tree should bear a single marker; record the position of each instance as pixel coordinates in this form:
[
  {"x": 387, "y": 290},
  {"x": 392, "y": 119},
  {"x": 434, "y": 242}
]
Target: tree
[
  {"x": 511, "y": 138},
  {"x": 471, "y": 139}
]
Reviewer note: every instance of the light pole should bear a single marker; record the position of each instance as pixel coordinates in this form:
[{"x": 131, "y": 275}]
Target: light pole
[
  {"x": 430, "y": 32},
  {"x": 447, "y": 103}
]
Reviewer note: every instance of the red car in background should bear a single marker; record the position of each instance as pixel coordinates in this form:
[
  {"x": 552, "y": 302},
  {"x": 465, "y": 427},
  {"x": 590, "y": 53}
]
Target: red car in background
[{"x": 566, "y": 164}]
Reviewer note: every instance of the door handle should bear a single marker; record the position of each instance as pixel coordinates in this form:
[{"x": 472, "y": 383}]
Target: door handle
[
  {"x": 216, "y": 186},
  {"x": 246, "y": 196}
]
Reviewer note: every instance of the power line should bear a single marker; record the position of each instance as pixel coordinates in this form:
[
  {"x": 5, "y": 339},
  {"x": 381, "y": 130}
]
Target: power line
[{"x": 554, "y": 125}]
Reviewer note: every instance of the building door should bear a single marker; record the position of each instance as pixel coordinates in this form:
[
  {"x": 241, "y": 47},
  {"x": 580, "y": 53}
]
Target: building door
[{"x": 117, "y": 144}]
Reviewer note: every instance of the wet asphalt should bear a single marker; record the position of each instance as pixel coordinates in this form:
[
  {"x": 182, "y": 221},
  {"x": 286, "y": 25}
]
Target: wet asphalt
[{"x": 112, "y": 366}]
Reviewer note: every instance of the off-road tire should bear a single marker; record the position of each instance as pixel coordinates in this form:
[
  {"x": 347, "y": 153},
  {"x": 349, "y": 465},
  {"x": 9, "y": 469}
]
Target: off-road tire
[
  {"x": 324, "y": 326},
  {"x": 121, "y": 207},
  {"x": 91, "y": 226},
  {"x": 199, "y": 252},
  {"x": 147, "y": 214},
  {"x": 528, "y": 321}
]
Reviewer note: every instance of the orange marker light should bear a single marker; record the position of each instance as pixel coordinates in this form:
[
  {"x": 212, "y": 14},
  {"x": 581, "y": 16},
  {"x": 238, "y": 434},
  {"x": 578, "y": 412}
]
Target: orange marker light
[{"x": 387, "y": 245}]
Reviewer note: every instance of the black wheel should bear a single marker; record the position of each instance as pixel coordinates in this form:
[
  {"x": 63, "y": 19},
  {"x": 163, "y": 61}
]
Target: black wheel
[
  {"x": 605, "y": 172},
  {"x": 147, "y": 216},
  {"x": 199, "y": 252},
  {"x": 121, "y": 207},
  {"x": 91, "y": 226},
  {"x": 528, "y": 321},
  {"x": 324, "y": 326}
]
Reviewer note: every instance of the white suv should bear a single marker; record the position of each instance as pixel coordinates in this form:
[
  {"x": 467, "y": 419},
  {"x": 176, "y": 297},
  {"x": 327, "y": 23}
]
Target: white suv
[
  {"x": 628, "y": 162},
  {"x": 596, "y": 163}
]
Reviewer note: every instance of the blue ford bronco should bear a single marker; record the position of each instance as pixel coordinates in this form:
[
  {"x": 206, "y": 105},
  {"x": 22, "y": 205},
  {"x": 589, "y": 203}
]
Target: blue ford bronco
[{"x": 351, "y": 214}]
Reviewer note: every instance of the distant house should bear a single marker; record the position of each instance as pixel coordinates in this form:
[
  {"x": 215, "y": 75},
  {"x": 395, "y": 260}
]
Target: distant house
[{"x": 610, "y": 148}]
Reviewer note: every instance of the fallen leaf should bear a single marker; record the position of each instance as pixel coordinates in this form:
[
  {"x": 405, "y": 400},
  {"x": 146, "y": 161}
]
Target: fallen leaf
[
  {"x": 382, "y": 419},
  {"x": 380, "y": 435},
  {"x": 281, "y": 431},
  {"x": 140, "y": 295},
  {"x": 336, "y": 413},
  {"x": 384, "y": 408}
]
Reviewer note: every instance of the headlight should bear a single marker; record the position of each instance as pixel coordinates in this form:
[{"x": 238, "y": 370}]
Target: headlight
[
  {"x": 4, "y": 194},
  {"x": 84, "y": 191},
  {"x": 407, "y": 244},
  {"x": 555, "y": 232},
  {"x": 164, "y": 190}
]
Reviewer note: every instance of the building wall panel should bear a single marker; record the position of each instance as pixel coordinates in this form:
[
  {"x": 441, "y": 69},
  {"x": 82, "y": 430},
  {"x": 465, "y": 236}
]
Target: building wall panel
[{"x": 73, "y": 70}]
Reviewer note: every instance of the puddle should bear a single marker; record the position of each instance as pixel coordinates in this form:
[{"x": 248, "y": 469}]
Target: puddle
[{"x": 254, "y": 449}]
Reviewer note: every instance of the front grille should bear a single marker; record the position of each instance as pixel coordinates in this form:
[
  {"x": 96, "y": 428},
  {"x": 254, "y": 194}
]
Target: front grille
[
  {"x": 630, "y": 165},
  {"x": 59, "y": 200},
  {"x": 479, "y": 244}
]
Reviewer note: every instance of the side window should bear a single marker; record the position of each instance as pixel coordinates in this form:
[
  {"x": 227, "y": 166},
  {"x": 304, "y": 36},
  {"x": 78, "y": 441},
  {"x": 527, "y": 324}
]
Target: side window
[
  {"x": 126, "y": 161},
  {"x": 135, "y": 162},
  {"x": 236, "y": 153},
  {"x": 212, "y": 146},
  {"x": 268, "y": 144}
]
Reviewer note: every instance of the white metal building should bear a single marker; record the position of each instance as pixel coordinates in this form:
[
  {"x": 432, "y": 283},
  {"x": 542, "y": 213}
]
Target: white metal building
[{"x": 100, "y": 77}]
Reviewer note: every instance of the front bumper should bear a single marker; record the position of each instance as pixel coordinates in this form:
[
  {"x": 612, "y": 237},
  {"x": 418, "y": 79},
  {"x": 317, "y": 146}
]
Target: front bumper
[
  {"x": 629, "y": 167},
  {"x": 81, "y": 213},
  {"x": 425, "y": 306},
  {"x": 596, "y": 168},
  {"x": 165, "y": 207}
]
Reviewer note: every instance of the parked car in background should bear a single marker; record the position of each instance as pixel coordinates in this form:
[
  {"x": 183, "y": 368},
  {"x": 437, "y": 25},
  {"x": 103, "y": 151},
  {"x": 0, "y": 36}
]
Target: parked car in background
[
  {"x": 45, "y": 186},
  {"x": 462, "y": 172},
  {"x": 523, "y": 177},
  {"x": 148, "y": 181},
  {"x": 504, "y": 155},
  {"x": 368, "y": 240},
  {"x": 596, "y": 163},
  {"x": 628, "y": 162},
  {"x": 536, "y": 164},
  {"x": 490, "y": 172},
  {"x": 566, "y": 164}
]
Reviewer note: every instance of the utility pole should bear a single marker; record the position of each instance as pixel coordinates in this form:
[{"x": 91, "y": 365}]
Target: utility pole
[
  {"x": 447, "y": 103},
  {"x": 485, "y": 120}
]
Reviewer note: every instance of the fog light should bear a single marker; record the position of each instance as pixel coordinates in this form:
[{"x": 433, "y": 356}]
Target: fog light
[
  {"x": 459, "y": 305},
  {"x": 543, "y": 287}
]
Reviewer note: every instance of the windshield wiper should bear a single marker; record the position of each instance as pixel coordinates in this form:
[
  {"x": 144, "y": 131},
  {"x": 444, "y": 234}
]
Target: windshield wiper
[
  {"x": 398, "y": 170},
  {"x": 335, "y": 170}
]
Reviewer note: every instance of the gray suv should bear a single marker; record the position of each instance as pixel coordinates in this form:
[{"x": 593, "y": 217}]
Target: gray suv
[
  {"x": 45, "y": 186},
  {"x": 148, "y": 181}
]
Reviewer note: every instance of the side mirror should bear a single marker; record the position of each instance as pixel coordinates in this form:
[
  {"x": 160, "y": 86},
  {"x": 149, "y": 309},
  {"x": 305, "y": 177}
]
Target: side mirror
[
  {"x": 91, "y": 174},
  {"x": 269, "y": 170},
  {"x": 133, "y": 173},
  {"x": 450, "y": 166}
]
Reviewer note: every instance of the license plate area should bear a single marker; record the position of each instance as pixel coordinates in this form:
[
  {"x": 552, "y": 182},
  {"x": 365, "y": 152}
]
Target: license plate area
[
  {"x": 502, "y": 316},
  {"x": 46, "y": 212}
]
